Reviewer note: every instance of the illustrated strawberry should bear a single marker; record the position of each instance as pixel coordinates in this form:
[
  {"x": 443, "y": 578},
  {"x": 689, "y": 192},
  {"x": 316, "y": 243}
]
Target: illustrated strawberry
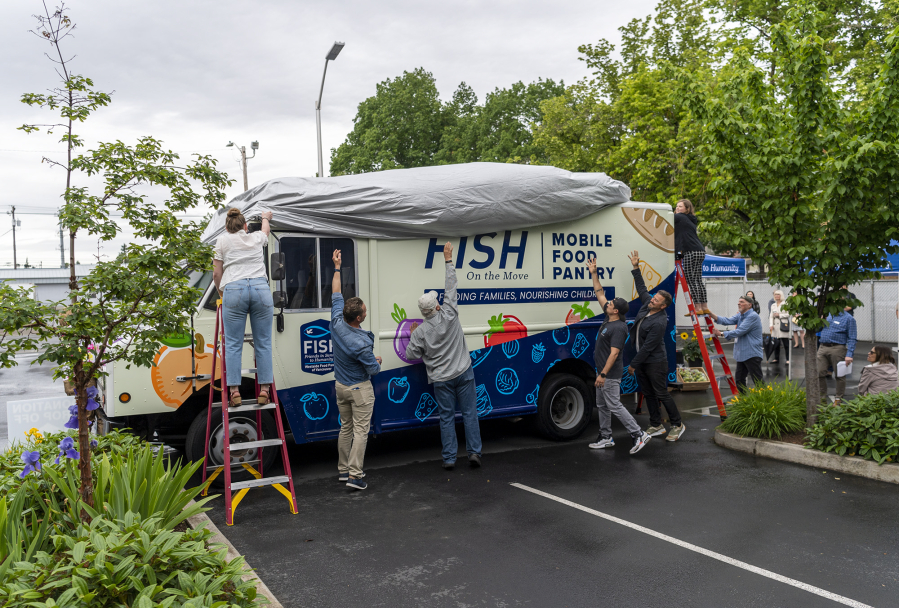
[
  {"x": 403, "y": 333},
  {"x": 579, "y": 312},
  {"x": 504, "y": 328}
]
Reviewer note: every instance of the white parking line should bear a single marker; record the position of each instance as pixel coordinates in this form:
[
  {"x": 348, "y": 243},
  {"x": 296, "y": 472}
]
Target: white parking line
[{"x": 722, "y": 558}]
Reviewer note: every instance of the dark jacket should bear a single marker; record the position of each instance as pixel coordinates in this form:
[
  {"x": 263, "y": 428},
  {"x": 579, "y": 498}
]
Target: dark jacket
[
  {"x": 648, "y": 331},
  {"x": 685, "y": 238}
]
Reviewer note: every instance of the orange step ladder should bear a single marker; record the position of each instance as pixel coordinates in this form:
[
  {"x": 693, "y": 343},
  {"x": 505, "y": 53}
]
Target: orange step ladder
[{"x": 235, "y": 491}]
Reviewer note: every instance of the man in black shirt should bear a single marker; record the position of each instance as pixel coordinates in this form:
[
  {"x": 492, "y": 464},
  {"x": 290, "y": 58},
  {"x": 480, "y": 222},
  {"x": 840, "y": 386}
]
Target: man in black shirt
[
  {"x": 609, "y": 366},
  {"x": 650, "y": 365}
]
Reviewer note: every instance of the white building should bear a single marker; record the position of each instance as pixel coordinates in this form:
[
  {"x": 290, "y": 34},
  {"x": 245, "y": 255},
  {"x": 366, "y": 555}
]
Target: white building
[{"x": 50, "y": 284}]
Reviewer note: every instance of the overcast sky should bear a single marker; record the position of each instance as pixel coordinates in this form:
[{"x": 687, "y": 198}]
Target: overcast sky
[{"x": 197, "y": 74}]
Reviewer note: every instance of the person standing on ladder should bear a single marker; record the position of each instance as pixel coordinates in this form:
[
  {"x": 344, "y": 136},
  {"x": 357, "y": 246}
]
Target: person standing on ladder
[
  {"x": 607, "y": 357},
  {"x": 748, "y": 350},
  {"x": 650, "y": 365},
  {"x": 690, "y": 249},
  {"x": 354, "y": 365},
  {"x": 238, "y": 270}
]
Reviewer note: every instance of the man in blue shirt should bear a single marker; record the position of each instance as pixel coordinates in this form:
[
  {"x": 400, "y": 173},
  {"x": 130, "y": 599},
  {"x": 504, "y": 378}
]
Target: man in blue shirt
[
  {"x": 837, "y": 343},
  {"x": 354, "y": 365},
  {"x": 748, "y": 351}
]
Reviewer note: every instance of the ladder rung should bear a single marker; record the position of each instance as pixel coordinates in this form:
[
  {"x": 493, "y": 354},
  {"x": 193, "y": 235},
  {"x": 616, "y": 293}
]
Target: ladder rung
[
  {"x": 724, "y": 377},
  {"x": 243, "y": 403},
  {"x": 265, "y": 481},
  {"x": 252, "y": 370},
  {"x": 716, "y": 357},
  {"x": 251, "y": 407},
  {"x": 248, "y": 445},
  {"x": 234, "y": 465}
]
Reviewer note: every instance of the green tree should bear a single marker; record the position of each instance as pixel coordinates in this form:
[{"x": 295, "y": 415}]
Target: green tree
[
  {"x": 806, "y": 178},
  {"x": 626, "y": 120},
  {"x": 123, "y": 308},
  {"x": 399, "y": 127}
]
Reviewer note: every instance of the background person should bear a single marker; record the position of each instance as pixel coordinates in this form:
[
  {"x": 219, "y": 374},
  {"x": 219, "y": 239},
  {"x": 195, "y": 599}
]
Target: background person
[
  {"x": 650, "y": 364},
  {"x": 837, "y": 344},
  {"x": 239, "y": 274},
  {"x": 354, "y": 365},
  {"x": 607, "y": 357},
  {"x": 881, "y": 375},
  {"x": 798, "y": 332},
  {"x": 748, "y": 350},
  {"x": 689, "y": 247},
  {"x": 779, "y": 327},
  {"x": 755, "y": 304},
  {"x": 440, "y": 342}
]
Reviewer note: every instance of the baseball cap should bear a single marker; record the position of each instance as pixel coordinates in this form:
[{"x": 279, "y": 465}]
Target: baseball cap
[
  {"x": 427, "y": 304},
  {"x": 621, "y": 305}
]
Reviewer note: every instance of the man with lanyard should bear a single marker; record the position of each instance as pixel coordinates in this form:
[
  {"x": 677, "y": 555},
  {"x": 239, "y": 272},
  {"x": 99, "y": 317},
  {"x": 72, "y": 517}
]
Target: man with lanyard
[
  {"x": 650, "y": 364},
  {"x": 354, "y": 365},
  {"x": 748, "y": 349},
  {"x": 837, "y": 344},
  {"x": 607, "y": 356}
]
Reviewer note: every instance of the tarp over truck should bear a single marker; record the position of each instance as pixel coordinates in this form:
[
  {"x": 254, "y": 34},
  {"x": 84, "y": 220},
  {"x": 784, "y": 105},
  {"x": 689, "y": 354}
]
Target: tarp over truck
[{"x": 449, "y": 200}]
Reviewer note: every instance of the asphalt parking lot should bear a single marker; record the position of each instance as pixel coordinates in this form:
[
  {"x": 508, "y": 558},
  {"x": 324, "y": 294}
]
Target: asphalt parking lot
[{"x": 420, "y": 536}]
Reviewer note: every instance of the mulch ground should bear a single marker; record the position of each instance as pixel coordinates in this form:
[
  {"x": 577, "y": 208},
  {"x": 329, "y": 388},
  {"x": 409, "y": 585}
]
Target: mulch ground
[{"x": 797, "y": 438}]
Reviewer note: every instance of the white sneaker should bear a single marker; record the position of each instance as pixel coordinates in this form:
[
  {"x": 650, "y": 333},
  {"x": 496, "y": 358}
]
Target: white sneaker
[
  {"x": 602, "y": 443},
  {"x": 640, "y": 442}
]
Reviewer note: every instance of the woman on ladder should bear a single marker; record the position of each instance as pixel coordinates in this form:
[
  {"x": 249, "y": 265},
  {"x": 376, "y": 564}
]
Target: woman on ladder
[
  {"x": 239, "y": 275},
  {"x": 692, "y": 253}
]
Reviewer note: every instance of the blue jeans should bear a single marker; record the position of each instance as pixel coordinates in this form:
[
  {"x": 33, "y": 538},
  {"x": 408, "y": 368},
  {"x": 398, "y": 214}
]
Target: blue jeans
[
  {"x": 253, "y": 297},
  {"x": 460, "y": 390}
]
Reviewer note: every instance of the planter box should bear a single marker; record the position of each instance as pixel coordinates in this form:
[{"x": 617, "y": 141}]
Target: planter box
[{"x": 693, "y": 386}]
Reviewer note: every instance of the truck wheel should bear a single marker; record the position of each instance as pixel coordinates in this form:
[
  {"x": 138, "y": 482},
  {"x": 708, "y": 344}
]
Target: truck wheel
[
  {"x": 242, "y": 428},
  {"x": 563, "y": 407}
]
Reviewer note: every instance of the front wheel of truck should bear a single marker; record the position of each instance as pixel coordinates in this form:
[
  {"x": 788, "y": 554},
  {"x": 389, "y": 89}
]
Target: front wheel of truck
[
  {"x": 242, "y": 429},
  {"x": 563, "y": 407}
]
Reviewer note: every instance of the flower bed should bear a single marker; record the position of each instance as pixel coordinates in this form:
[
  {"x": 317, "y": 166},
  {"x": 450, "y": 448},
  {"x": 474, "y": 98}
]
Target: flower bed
[
  {"x": 767, "y": 411},
  {"x": 56, "y": 550}
]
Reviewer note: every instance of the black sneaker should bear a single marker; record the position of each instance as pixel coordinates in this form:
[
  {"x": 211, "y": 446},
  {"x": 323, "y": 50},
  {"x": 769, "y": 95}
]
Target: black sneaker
[
  {"x": 356, "y": 484},
  {"x": 474, "y": 460},
  {"x": 449, "y": 466}
]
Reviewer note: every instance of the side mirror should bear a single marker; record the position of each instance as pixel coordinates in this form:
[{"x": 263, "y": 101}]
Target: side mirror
[
  {"x": 279, "y": 298},
  {"x": 278, "y": 262}
]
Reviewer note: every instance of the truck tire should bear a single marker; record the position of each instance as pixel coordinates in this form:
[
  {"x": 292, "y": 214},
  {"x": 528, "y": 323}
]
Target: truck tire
[
  {"x": 563, "y": 407},
  {"x": 243, "y": 428}
]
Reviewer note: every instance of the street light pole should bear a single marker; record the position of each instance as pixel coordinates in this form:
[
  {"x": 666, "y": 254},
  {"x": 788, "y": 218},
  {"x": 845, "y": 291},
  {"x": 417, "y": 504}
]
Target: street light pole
[
  {"x": 13, "y": 212},
  {"x": 331, "y": 56},
  {"x": 243, "y": 159}
]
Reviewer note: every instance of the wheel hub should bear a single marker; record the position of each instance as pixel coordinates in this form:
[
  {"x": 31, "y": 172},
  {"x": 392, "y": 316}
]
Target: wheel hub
[
  {"x": 241, "y": 431},
  {"x": 567, "y": 407}
]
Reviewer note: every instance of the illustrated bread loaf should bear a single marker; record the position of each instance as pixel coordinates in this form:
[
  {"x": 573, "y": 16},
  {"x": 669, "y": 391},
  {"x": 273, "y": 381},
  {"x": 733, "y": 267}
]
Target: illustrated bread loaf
[{"x": 652, "y": 227}]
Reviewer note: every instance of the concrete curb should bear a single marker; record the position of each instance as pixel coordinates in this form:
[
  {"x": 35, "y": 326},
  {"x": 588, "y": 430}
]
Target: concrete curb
[
  {"x": 218, "y": 538},
  {"x": 790, "y": 452}
]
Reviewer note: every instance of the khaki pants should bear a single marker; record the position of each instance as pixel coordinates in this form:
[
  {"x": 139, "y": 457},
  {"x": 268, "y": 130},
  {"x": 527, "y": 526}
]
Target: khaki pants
[
  {"x": 830, "y": 356},
  {"x": 355, "y": 404}
]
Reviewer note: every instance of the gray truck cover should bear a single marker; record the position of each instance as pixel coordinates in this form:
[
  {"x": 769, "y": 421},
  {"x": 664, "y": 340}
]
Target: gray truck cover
[{"x": 449, "y": 200}]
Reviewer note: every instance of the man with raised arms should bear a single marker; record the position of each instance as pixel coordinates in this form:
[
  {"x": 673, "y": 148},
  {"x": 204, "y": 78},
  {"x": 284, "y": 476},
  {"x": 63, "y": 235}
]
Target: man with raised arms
[{"x": 607, "y": 356}]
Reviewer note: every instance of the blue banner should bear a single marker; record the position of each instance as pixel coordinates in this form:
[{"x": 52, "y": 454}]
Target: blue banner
[
  {"x": 525, "y": 295},
  {"x": 715, "y": 266}
]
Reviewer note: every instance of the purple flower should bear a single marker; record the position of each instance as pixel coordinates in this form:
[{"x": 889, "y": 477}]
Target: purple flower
[
  {"x": 67, "y": 449},
  {"x": 72, "y": 423},
  {"x": 94, "y": 443},
  {"x": 73, "y": 410},
  {"x": 32, "y": 462},
  {"x": 92, "y": 392}
]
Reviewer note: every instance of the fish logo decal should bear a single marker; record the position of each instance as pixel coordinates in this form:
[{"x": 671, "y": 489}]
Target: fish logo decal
[{"x": 317, "y": 332}]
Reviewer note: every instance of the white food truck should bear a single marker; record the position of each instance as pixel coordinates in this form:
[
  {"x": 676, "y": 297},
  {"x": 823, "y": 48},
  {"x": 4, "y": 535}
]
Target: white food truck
[{"x": 521, "y": 236}]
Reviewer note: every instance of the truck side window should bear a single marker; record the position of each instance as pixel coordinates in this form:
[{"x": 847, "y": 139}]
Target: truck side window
[
  {"x": 347, "y": 270},
  {"x": 302, "y": 271}
]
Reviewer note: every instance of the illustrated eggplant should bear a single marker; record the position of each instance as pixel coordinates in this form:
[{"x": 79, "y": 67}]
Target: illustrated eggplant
[{"x": 403, "y": 333}]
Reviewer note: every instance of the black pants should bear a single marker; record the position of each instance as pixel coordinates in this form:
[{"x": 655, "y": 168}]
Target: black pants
[
  {"x": 749, "y": 367},
  {"x": 653, "y": 381},
  {"x": 782, "y": 342}
]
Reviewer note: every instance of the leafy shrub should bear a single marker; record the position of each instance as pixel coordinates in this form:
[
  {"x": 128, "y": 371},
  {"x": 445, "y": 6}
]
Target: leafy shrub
[
  {"x": 866, "y": 426},
  {"x": 767, "y": 411},
  {"x": 131, "y": 561}
]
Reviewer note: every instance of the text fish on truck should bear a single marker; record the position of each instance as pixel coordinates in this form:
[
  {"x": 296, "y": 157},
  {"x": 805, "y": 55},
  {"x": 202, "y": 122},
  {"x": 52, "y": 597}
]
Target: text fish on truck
[{"x": 526, "y": 304}]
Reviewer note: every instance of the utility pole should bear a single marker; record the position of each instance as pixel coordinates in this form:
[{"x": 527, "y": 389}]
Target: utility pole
[
  {"x": 331, "y": 56},
  {"x": 13, "y": 212},
  {"x": 243, "y": 159},
  {"x": 62, "y": 248}
]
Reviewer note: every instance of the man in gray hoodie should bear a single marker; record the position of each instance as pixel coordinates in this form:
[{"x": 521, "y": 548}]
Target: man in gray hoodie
[{"x": 440, "y": 342}]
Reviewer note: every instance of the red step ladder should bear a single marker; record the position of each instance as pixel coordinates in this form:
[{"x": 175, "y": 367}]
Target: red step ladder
[
  {"x": 708, "y": 360},
  {"x": 241, "y": 488}
]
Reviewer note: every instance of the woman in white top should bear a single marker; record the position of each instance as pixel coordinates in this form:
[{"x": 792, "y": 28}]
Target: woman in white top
[
  {"x": 779, "y": 326},
  {"x": 239, "y": 275}
]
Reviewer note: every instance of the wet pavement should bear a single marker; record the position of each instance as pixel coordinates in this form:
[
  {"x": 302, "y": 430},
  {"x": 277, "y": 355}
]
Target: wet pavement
[{"x": 420, "y": 536}]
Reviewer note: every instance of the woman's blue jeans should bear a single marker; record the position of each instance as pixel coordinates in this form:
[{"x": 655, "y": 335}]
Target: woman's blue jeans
[{"x": 248, "y": 297}]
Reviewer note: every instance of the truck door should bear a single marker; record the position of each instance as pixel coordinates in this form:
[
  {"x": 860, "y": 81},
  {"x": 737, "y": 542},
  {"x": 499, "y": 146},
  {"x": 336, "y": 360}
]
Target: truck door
[{"x": 304, "y": 357}]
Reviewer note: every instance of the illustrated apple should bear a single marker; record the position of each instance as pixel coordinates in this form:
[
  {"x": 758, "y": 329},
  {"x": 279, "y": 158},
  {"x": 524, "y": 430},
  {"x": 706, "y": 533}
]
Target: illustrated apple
[
  {"x": 579, "y": 312},
  {"x": 403, "y": 333},
  {"x": 315, "y": 405},
  {"x": 504, "y": 328}
]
